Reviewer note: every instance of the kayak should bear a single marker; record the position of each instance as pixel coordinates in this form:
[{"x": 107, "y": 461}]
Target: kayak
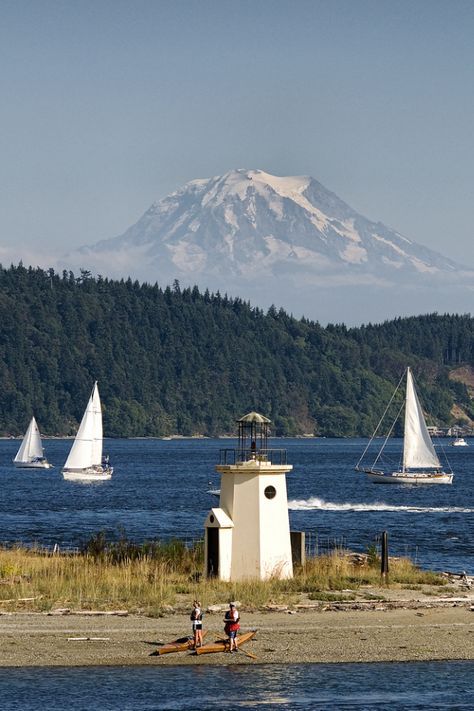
[
  {"x": 223, "y": 645},
  {"x": 183, "y": 644}
]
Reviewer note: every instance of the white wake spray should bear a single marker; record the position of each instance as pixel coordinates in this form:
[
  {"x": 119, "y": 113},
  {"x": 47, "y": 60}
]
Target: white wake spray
[{"x": 314, "y": 503}]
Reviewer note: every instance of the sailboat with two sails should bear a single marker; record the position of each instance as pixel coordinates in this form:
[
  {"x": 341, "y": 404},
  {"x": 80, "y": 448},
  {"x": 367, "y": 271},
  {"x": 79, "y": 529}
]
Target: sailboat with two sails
[
  {"x": 85, "y": 461},
  {"x": 420, "y": 462},
  {"x": 31, "y": 453}
]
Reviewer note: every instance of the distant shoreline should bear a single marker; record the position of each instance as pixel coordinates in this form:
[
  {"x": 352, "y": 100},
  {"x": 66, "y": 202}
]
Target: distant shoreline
[{"x": 178, "y": 438}]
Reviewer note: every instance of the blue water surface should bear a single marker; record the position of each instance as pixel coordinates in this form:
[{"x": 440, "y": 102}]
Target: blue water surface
[
  {"x": 160, "y": 490},
  {"x": 424, "y": 685}
]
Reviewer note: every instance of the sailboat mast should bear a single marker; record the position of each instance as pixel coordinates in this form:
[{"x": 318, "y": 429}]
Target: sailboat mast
[{"x": 405, "y": 424}]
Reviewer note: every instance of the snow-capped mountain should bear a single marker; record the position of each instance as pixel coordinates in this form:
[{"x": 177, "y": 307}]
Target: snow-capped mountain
[{"x": 272, "y": 239}]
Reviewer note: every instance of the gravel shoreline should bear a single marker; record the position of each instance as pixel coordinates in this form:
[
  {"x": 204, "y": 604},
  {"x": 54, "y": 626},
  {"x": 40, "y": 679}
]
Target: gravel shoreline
[{"x": 398, "y": 630}]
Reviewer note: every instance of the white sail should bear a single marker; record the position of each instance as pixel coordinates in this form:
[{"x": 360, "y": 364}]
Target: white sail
[
  {"x": 86, "y": 450},
  {"x": 98, "y": 432},
  {"x": 31, "y": 447},
  {"x": 418, "y": 451}
]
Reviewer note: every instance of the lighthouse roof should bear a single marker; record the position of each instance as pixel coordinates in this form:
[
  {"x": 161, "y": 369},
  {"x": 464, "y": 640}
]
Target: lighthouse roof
[{"x": 254, "y": 417}]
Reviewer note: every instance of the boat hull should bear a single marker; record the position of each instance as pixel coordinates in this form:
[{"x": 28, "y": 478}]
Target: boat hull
[
  {"x": 91, "y": 474},
  {"x": 32, "y": 465},
  {"x": 459, "y": 443},
  {"x": 425, "y": 479},
  {"x": 183, "y": 644},
  {"x": 223, "y": 646}
]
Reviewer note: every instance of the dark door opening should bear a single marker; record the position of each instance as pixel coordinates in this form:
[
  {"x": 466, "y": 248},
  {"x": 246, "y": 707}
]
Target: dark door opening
[{"x": 212, "y": 552}]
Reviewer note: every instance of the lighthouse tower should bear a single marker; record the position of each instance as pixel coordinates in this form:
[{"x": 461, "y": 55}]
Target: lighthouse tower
[{"x": 248, "y": 535}]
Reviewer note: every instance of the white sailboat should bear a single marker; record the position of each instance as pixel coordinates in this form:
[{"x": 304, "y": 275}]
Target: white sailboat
[
  {"x": 31, "y": 454},
  {"x": 85, "y": 458},
  {"x": 420, "y": 463}
]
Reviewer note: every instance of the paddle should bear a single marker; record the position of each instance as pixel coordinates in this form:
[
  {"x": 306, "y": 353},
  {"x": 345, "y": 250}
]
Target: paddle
[{"x": 241, "y": 649}]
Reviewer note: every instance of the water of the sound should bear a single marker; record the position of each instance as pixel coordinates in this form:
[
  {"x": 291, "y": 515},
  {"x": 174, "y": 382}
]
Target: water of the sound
[
  {"x": 160, "y": 490},
  {"x": 309, "y": 687}
]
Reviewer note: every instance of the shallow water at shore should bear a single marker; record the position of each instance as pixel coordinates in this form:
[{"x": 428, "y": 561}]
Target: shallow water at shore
[
  {"x": 160, "y": 489},
  {"x": 433, "y": 685}
]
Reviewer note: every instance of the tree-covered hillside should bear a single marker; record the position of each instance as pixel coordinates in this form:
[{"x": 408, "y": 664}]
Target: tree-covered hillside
[{"x": 178, "y": 361}]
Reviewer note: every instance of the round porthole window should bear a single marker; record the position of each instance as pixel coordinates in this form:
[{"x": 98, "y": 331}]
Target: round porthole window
[
  {"x": 270, "y": 492},
  {"x": 211, "y": 518}
]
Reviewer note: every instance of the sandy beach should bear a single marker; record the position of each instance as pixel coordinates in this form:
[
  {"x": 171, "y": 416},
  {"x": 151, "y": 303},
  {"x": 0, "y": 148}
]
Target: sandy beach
[{"x": 396, "y": 630}]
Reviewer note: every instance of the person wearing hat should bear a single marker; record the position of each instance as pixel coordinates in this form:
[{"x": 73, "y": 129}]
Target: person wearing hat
[{"x": 231, "y": 620}]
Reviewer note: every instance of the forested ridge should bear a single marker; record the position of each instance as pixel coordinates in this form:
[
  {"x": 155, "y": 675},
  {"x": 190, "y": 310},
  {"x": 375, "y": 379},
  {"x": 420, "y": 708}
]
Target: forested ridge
[{"x": 177, "y": 361}]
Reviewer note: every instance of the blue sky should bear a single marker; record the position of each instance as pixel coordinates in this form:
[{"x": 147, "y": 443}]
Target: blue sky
[{"x": 107, "y": 106}]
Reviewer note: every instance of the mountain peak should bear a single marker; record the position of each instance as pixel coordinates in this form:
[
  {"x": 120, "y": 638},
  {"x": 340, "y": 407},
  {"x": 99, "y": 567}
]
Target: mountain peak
[
  {"x": 249, "y": 231},
  {"x": 240, "y": 182}
]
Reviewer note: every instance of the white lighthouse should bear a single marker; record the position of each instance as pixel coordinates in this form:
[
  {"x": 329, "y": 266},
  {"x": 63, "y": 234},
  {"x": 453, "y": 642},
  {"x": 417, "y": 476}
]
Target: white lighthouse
[{"x": 248, "y": 535}]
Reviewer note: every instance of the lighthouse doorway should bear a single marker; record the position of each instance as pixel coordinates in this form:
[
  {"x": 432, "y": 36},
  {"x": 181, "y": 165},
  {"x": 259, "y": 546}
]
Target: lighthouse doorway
[{"x": 212, "y": 552}]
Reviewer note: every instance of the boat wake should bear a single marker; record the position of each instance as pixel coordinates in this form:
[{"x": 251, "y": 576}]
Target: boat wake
[{"x": 321, "y": 505}]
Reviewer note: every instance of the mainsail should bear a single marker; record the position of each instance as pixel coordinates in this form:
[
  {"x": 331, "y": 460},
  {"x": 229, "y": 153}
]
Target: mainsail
[
  {"x": 86, "y": 450},
  {"x": 31, "y": 447},
  {"x": 418, "y": 451}
]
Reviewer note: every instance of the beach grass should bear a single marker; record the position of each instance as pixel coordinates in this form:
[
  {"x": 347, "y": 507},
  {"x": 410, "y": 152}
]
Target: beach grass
[{"x": 152, "y": 578}]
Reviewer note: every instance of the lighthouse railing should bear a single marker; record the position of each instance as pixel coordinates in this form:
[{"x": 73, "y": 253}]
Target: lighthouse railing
[{"x": 237, "y": 456}]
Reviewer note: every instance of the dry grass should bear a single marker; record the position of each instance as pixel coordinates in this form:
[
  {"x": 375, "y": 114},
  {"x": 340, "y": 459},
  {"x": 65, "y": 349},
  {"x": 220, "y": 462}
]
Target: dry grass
[
  {"x": 33, "y": 580},
  {"x": 82, "y": 582}
]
